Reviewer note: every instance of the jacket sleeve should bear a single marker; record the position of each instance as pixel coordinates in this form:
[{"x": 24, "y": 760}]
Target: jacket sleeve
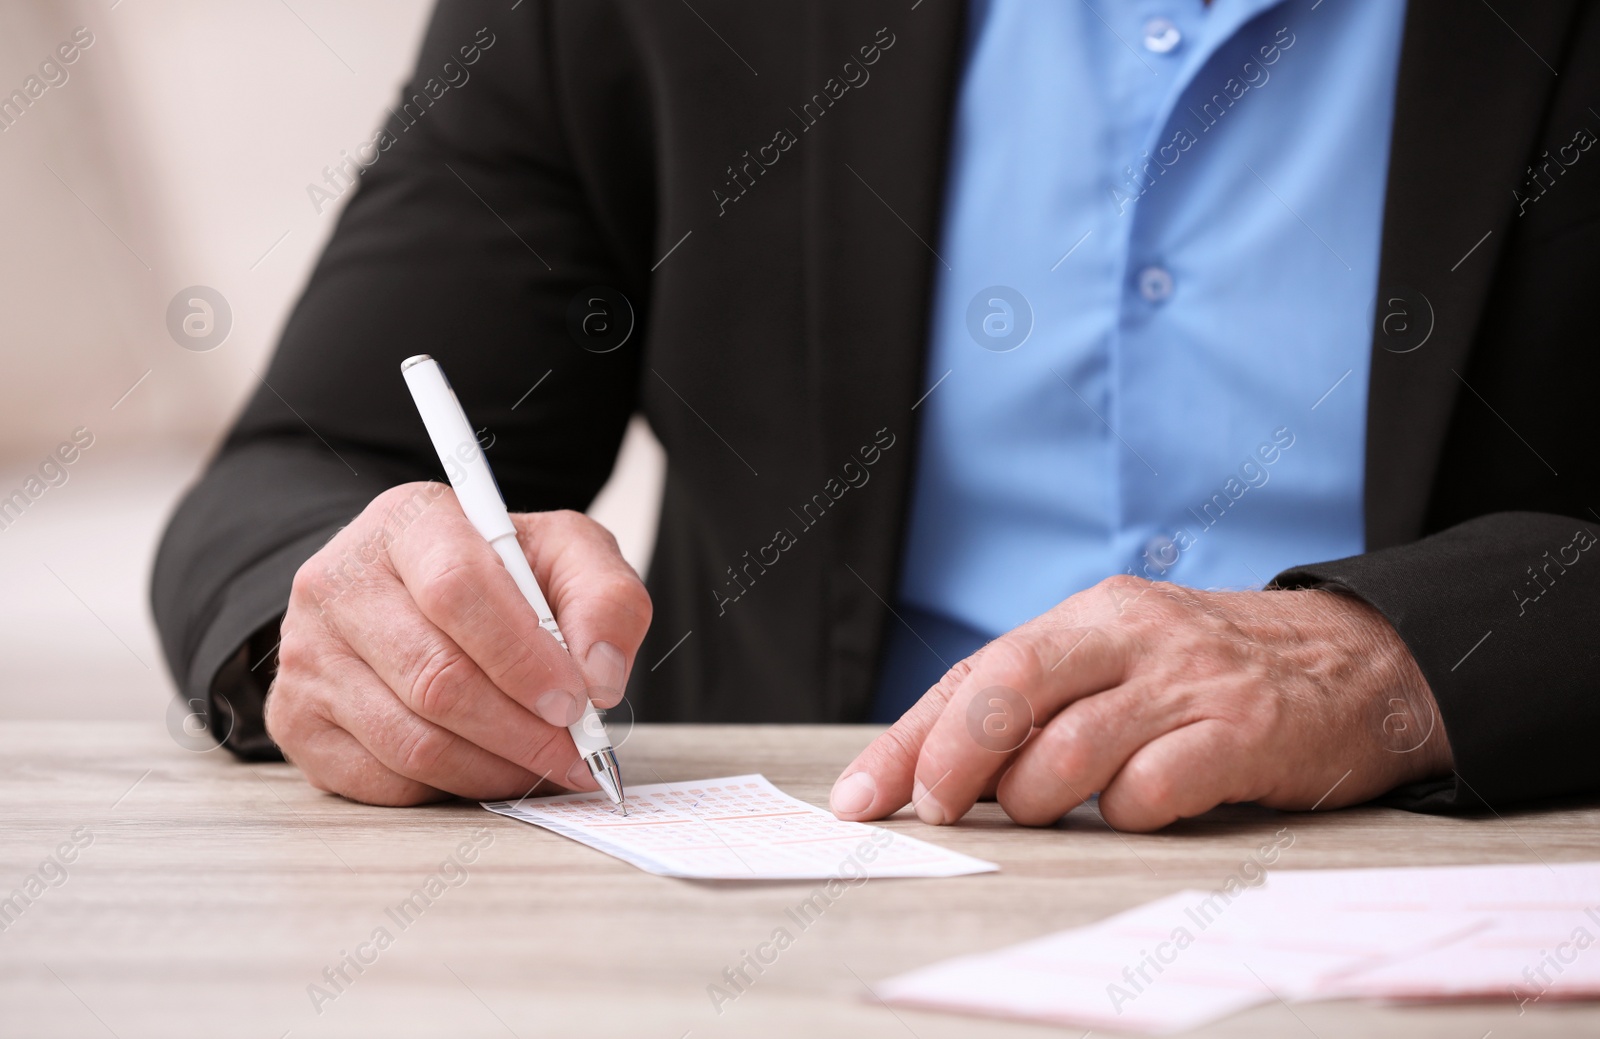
[
  {"x": 471, "y": 233},
  {"x": 1502, "y": 613}
]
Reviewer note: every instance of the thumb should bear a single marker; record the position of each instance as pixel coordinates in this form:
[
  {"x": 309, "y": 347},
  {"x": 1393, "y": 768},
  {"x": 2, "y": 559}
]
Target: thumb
[{"x": 879, "y": 781}]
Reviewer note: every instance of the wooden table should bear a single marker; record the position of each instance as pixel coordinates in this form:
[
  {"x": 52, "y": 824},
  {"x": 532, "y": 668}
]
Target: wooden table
[{"x": 214, "y": 894}]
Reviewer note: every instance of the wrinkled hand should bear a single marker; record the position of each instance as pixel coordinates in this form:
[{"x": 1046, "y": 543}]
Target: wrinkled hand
[
  {"x": 412, "y": 668},
  {"x": 1167, "y": 702}
]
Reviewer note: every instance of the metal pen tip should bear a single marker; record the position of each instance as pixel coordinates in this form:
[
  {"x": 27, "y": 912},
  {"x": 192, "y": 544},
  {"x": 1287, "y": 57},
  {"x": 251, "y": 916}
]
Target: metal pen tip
[{"x": 603, "y": 766}]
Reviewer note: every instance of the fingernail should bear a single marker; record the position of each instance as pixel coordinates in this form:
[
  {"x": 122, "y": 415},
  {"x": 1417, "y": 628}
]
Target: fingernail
[
  {"x": 558, "y": 708},
  {"x": 606, "y": 668},
  {"x": 928, "y": 810},
  {"x": 580, "y": 778},
  {"x": 854, "y": 793}
]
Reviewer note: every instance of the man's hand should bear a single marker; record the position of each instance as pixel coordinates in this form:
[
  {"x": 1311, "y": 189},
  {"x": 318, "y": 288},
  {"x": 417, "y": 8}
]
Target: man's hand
[
  {"x": 1167, "y": 702},
  {"x": 412, "y": 668}
]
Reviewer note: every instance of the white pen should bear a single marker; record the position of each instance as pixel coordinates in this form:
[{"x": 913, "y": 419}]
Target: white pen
[{"x": 480, "y": 499}]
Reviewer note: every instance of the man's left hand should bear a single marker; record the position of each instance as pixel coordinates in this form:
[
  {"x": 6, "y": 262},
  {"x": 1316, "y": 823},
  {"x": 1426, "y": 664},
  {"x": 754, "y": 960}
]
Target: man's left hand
[{"x": 1167, "y": 702}]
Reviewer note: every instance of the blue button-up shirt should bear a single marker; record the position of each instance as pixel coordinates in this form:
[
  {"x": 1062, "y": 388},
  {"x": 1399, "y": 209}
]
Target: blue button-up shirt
[{"x": 1150, "y": 329}]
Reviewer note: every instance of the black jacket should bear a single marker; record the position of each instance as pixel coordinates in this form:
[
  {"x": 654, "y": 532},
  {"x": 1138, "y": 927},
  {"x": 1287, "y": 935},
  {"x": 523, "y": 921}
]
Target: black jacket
[{"x": 767, "y": 212}]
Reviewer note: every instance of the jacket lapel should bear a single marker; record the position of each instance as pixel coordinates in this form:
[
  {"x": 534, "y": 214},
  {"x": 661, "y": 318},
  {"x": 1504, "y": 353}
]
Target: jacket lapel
[{"x": 1468, "y": 109}]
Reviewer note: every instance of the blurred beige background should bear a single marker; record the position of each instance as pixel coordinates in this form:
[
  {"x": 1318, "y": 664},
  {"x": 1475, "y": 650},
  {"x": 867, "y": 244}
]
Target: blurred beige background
[{"x": 175, "y": 152}]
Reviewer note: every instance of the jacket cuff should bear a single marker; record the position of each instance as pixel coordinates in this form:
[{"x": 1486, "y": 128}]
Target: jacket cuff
[{"x": 237, "y": 655}]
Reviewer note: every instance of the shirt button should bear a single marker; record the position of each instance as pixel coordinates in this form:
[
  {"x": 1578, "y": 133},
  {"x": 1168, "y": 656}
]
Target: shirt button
[
  {"x": 1161, "y": 36},
  {"x": 1161, "y": 552},
  {"x": 1155, "y": 283}
]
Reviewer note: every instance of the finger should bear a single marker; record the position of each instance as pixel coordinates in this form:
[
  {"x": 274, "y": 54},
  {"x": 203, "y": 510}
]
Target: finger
[
  {"x": 599, "y": 601},
  {"x": 1079, "y": 750},
  {"x": 335, "y": 761},
  {"x": 330, "y": 758},
  {"x": 415, "y": 748},
  {"x": 459, "y": 584},
  {"x": 1184, "y": 773},
  {"x": 436, "y": 679},
  {"x": 878, "y": 782},
  {"x": 1026, "y": 677}
]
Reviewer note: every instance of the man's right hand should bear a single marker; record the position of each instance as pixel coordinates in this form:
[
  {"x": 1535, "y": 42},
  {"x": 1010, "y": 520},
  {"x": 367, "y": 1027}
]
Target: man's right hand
[{"x": 411, "y": 667}]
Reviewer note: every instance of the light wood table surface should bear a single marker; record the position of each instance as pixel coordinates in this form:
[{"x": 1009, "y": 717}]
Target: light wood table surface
[{"x": 215, "y": 893}]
